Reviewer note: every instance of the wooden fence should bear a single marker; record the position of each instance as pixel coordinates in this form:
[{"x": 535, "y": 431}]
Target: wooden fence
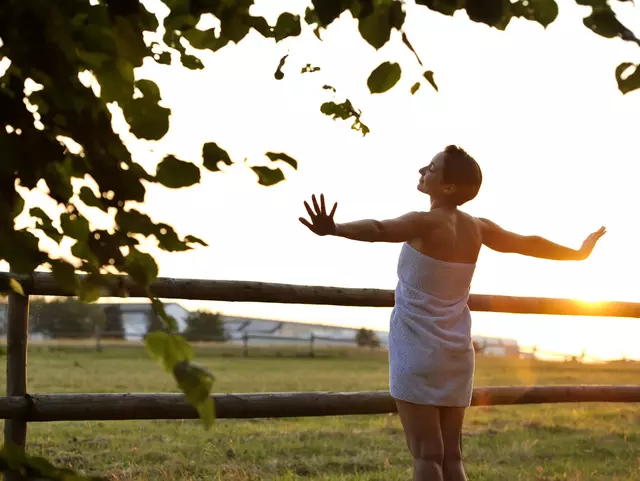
[{"x": 18, "y": 407}]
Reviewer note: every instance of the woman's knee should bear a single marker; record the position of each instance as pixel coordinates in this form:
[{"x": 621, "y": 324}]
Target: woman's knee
[
  {"x": 453, "y": 450},
  {"x": 453, "y": 455},
  {"x": 429, "y": 457},
  {"x": 430, "y": 451}
]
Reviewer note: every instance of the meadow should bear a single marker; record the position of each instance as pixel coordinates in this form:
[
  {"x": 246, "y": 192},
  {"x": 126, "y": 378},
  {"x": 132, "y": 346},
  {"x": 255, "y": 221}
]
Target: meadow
[{"x": 573, "y": 442}]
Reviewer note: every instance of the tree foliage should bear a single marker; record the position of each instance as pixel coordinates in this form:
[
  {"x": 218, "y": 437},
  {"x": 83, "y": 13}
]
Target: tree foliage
[
  {"x": 65, "y": 318},
  {"x": 367, "y": 338},
  {"x": 154, "y": 322},
  {"x": 205, "y": 326},
  {"x": 114, "y": 325},
  {"x": 72, "y": 68}
]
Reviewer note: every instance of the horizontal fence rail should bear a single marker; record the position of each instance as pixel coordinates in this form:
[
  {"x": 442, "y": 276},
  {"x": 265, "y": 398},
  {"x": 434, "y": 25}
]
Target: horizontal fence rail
[
  {"x": 42, "y": 283},
  {"x": 112, "y": 407},
  {"x": 19, "y": 407}
]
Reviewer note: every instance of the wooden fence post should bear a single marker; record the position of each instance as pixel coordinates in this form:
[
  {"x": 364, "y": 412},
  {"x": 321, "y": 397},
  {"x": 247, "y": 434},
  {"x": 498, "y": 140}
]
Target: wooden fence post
[
  {"x": 97, "y": 331},
  {"x": 312, "y": 339},
  {"x": 245, "y": 340},
  {"x": 15, "y": 430}
]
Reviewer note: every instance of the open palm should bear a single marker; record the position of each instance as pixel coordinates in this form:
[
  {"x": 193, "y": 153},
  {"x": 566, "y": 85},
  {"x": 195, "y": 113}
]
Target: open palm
[
  {"x": 321, "y": 222},
  {"x": 590, "y": 242}
]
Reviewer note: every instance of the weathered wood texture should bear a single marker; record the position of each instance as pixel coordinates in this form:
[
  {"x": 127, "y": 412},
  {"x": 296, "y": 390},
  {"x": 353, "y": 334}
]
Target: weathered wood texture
[
  {"x": 242, "y": 291},
  {"x": 15, "y": 430},
  {"x": 105, "y": 407}
]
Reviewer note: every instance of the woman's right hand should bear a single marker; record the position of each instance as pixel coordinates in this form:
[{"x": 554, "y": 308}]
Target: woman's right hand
[{"x": 321, "y": 223}]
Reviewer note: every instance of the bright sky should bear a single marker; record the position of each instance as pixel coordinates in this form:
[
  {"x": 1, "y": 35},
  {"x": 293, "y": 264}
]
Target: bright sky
[{"x": 539, "y": 109}]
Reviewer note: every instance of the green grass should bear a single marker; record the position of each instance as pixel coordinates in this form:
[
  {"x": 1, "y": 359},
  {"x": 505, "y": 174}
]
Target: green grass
[{"x": 562, "y": 442}]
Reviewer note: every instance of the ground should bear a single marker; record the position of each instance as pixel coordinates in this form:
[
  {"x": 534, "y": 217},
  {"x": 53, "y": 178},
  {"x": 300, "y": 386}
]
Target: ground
[{"x": 567, "y": 442}]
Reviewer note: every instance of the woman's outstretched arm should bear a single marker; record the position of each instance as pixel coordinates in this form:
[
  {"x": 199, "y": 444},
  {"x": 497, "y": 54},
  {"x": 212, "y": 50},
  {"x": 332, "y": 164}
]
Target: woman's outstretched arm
[
  {"x": 400, "y": 229},
  {"x": 501, "y": 240}
]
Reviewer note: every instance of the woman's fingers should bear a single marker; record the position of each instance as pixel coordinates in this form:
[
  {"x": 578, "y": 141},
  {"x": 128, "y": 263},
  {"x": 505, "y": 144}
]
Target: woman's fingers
[
  {"x": 309, "y": 210},
  {"x": 306, "y": 222},
  {"x": 333, "y": 210},
  {"x": 315, "y": 204}
]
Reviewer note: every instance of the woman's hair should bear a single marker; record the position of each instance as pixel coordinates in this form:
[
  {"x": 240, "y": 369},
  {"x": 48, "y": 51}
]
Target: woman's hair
[{"x": 461, "y": 170}]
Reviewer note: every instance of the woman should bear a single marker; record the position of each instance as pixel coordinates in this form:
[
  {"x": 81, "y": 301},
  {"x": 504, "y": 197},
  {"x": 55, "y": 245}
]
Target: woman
[{"x": 431, "y": 357}]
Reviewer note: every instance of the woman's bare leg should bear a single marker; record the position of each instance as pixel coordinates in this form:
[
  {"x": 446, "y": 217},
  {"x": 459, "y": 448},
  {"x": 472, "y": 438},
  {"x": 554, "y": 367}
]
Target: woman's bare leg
[
  {"x": 424, "y": 437},
  {"x": 451, "y": 425}
]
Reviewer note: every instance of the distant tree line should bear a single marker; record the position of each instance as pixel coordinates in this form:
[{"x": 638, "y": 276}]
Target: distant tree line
[
  {"x": 367, "y": 338},
  {"x": 70, "y": 318}
]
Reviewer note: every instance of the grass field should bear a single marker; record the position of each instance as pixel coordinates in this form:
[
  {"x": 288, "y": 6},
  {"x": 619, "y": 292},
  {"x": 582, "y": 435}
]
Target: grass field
[{"x": 547, "y": 442}]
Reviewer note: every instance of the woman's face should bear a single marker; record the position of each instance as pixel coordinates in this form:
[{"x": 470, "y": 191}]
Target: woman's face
[{"x": 431, "y": 177}]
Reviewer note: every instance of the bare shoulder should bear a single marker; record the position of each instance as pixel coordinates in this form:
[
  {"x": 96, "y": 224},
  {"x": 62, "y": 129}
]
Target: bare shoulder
[
  {"x": 486, "y": 227},
  {"x": 420, "y": 216},
  {"x": 485, "y": 224}
]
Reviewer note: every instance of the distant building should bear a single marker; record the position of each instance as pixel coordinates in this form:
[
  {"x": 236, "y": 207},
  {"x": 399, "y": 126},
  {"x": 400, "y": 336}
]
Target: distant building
[
  {"x": 135, "y": 317},
  {"x": 496, "y": 346},
  {"x": 290, "y": 332}
]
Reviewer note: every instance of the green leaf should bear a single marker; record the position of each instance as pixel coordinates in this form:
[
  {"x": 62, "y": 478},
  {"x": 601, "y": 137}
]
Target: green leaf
[
  {"x": 112, "y": 86},
  {"x": 489, "y": 12},
  {"x": 90, "y": 199},
  {"x": 21, "y": 250},
  {"x": 376, "y": 27},
  {"x": 45, "y": 224},
  {"x": 16, "y": 287},
  {"x": 445, "y": 7},
  {"x": 133, "y": 221},
  {"x": 18, "y": 206},
  {"x": 64, "y": 274},
  {"x": 288, "y": 25},
  {"x": 168, "y": 349},
  {"x": 234, "y": 27},
  {"x": 429, "y": 76},
  {"x": 195, "y": 240},
  {"x": 75, "y": 226},
  {"x": 326, "y": 11},
  {"x": 212, "y": 154},
  {"x": 13, "y": 455},
  {"x": 163, "y": 58},
  {"x": 260, "y": 25},
  {"x": 149, "y": 89},
  {"x": 273, "y": 156},
  {"x": 603, "y": 22},
  {"x": 279, "y": 75},
  {"x": 267, "y": 176},
  {"x": 129, "y": 40},
  {"x": 191, "y": 62},
  {"x": 344, "y": 111},
  {"x": 196, "y": 383},
  {"x": 175, "y": 173},
  {"x": 631, "y": 81},
  {"x": 89, "y": 289},
  {"x": 542, "y": 11},
  {"x": 168, "y": 240},
  {"x": 415, "y": 87},
  {"x": 309, "y": 69},
  {"x": 81, "y": 250},
  {"x": 158, "y": 308},
  {"x": 207, "y": 412},
  {"x": 141, "y": 267},
  {"x": 406, "y": 41},
  {"x": 92, "y": 59},
  {"x": 146, "y": 118},
  {"x": 384, "y": 77}
]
